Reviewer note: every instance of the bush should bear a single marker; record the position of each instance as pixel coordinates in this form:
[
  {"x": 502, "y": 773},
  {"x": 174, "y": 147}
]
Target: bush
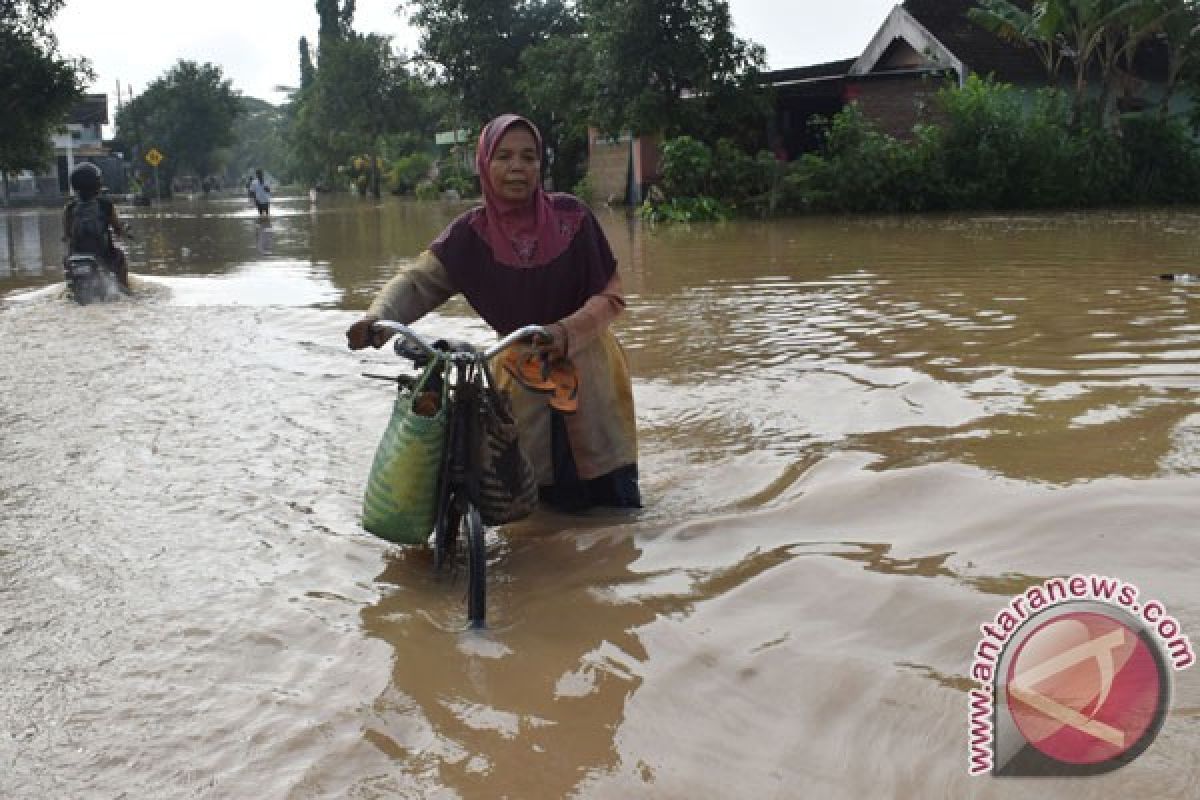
[
  {"x": 992, "y": 147},
  {"x": 408, "y": 171},
  {"x": 982, "y": 145},
  {"x": 686, "y": 167},
  {"x": 584, "y": 190},
  {"x": 1163, "y": 163},
  {"x": 427, "y": 190},
  {"x": 742, "y": 179},
  {"x": 694, "y": 177},
  {"x": 685, "y": 209},
  {"x": 453, "y": 175},
  {"x": 860, "y": 170}
]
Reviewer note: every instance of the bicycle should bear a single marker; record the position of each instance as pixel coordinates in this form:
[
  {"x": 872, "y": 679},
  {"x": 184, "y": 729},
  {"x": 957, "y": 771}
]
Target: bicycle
[{"x": 457, "y": 521}]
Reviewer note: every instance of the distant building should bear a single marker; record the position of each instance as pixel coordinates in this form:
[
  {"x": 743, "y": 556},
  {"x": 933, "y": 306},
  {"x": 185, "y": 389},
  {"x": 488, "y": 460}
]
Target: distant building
[
  {"x": 620, "y": 168},
  {"x": 919, "y": 48},
  {"x": 80, "y": 139}
]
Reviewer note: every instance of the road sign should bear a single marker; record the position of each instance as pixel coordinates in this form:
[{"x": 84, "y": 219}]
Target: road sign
[
  {"x": 451, "y": 137},
  {"x": 153, "y": 157}
]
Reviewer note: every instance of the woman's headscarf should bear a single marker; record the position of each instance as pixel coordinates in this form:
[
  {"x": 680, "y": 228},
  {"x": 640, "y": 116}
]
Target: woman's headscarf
[{"x": 527, "y": 234}]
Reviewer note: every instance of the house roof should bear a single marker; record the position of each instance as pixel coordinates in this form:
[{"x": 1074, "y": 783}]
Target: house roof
[
  {"x": 832, "y": 69},
  {"x": 92, "y": 109},
  {"x": 902, "y": 42},
  {"x": 981, "y": 51},
  {"x": 941, "y": 35},
  {"x": 941, "y": 31}
]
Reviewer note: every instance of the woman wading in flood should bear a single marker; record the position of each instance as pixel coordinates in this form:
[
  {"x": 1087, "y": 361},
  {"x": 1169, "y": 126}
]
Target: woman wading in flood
[{"x": 526, "y": 257}]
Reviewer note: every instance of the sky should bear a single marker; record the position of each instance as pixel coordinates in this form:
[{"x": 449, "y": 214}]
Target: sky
[{"x": 256, "y": 42}]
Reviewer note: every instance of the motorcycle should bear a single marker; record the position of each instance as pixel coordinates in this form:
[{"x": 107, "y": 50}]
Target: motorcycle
[{"x": 89, "y": 279}]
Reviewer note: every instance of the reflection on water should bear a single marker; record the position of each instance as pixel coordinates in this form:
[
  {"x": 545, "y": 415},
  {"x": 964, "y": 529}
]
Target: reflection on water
[
  {"x": 858, "y": 437},
  {"x": 264, "y": 237},
  {"x": 24, "y": 238}
]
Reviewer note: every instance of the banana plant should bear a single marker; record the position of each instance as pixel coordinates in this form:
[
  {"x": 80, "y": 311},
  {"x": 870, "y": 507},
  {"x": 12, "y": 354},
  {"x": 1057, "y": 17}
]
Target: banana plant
[
  {"x": 1091, "y": 33},
  {"x": 1020, "y": 26},
  {"x": 1178, "y": 28}
]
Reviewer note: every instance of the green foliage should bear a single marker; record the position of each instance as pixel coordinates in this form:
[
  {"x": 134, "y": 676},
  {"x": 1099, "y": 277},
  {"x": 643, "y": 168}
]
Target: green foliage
[
  {"x": 694, "y": 176},
  {"x": 748, "y": 182},
  {"x": 685, "y": 210},
  {"x": 408, "y": 171},
  {"x": 336, "y": 17},
  {"x": 671, "y": 65},
  {"x": 982, "y": 143},
  {"x": 992, "y": 149},
  {"x": 584, "y": 190},
  {"x": 686, "y": 167},
  {"x": 553, "y": 81},
  {"x": 308, "y": 70},
  {"x": 522, "y": 56},
  {"x": 1020, "y": 26},
  {"x": 187, "y": 115},
  {"x": 361, "y": 92},
  {"x": 1163, "y": 162},
  {"x": 478, "y": 46},
  {"x": 453, "y": 174},
  {"x": 39, "y": 86},
  {"x": 360, "y": 171},
  {"x": 426, "y": 192},
  {"x": 1099, "y": 39},
  {"x": 258, "y": 141},
  {"x": 861, "y": 170}
]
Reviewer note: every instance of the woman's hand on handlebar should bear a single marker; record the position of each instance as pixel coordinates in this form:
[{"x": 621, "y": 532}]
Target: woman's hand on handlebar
[
  {"x": 555, "y": 344},
  {"x": 361, "y": 334}
]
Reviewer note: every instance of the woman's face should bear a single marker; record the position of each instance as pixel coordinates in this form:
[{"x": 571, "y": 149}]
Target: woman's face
[{"x": 516, "y": 165}]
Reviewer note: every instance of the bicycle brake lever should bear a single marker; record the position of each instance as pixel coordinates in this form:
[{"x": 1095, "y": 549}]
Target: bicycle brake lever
[{"x": 404, "y": 381}]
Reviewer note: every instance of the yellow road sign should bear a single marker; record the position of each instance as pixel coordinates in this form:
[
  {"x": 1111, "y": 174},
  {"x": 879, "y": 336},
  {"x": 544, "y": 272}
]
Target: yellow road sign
[{"x": 153, "y": 157}]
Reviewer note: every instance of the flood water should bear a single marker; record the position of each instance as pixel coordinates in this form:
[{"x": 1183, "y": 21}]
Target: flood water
[{"x": 859, "y": 438}]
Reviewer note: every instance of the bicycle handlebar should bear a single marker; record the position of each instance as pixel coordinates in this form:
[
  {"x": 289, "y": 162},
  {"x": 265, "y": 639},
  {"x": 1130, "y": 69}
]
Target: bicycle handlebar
[
  {"x": 514, "y": 337},
  {"x": 411, "y": 344},
  {"x": 407, "y": 336}
]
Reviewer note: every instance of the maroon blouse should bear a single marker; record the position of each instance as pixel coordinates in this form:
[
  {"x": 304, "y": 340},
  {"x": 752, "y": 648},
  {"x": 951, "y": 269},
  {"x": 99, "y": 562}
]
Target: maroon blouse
[{"x": 510, "y": 297}]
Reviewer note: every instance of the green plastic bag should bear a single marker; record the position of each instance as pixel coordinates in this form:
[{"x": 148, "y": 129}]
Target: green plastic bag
[{"x": 401, "y": 497}]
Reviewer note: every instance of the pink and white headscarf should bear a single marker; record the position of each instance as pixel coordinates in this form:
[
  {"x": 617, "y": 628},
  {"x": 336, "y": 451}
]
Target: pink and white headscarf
[{"x": 528, "y": 234}]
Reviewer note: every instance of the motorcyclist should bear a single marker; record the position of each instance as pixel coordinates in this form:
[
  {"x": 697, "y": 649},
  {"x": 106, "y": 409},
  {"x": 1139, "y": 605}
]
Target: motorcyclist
[{"x": 87, "y": 180}]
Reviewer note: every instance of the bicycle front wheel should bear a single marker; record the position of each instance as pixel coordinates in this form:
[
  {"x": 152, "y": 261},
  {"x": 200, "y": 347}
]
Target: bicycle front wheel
[{"x": 471, "y": 527}]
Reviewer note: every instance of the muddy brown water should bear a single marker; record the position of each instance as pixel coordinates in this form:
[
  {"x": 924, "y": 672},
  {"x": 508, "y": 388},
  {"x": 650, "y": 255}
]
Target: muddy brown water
[{"x": 859, "y": 437}]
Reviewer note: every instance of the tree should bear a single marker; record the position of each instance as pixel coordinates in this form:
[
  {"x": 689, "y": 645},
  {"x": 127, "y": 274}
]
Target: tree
[
  {"x": 367, "y": 90},
  {"x": 308, "y": 71},
  {"x": 1174, "y": 23},
  {"x": 258, "y": 139},
  {"x": 672, "y": 66},
  {"x": 477, "y": 46},
  {"x": 1094, "y": 35},
  {"x": 336, "y": 18},
  {"x": 187, "y": 115},
  {"x": 40, "y": 86},
  {"x": 1020, "y": 26},
  {"x": 1087, "y": 30},
  {"x": 553, "y": 83},
  {"x": 362, "y": 91}
]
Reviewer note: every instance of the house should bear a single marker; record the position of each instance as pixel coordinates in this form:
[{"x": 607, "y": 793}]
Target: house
[
  {"x": 620, "y": 168},
  {"x": 918, "y": 49},
  {"x": 922, "y": 46},
  {"x": 80, "y": 139}
]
